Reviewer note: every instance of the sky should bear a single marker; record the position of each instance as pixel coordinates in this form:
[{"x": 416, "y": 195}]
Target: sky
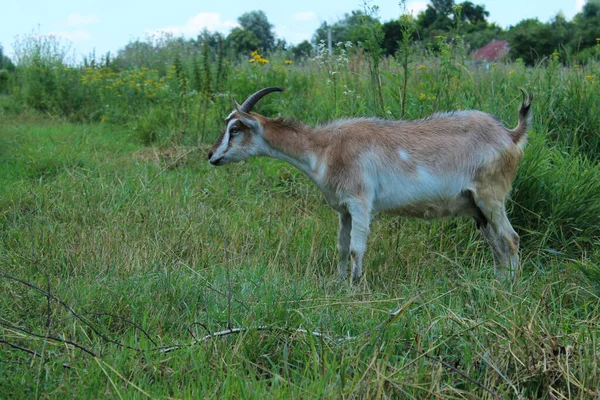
[{"x": 108, "y": 25}]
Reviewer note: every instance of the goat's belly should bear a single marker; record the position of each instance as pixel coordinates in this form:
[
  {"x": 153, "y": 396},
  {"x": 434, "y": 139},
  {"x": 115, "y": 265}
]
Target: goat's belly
[
  {"x": 431, "y": 209},
  {"x": 427, "y": 197}
]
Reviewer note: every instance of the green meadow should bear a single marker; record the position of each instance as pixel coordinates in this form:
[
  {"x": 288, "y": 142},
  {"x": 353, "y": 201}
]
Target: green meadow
[{"x": 132, "y": 268}]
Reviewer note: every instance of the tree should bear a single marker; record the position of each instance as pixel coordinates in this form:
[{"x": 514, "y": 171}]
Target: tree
[
  {"x": 585, "y": 26},
  {"x": 476, "y": 29},
  {"x": 212, "y": 39},
  {"x": 347, "y": 29},
  {"x": 257, "y": 23},
  {"x": 473, "y": 14},
  {"x": 531, "y": 40},
  {"x": 433, "y": 22},
  {"x": 242, "y": 41},
  {"x": 5, "y": 62},
  {"x": 443, "y": 6},
  {"x": 393, "y": 33},
  {"x": 477, "y": 38},
  {"x": 302, "y": 50}
]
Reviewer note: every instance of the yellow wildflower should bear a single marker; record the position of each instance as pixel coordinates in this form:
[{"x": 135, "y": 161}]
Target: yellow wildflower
[
  {"x": 287, "y": 62},
  {"x": 422, "y": 96},
  {"x": 422, "y": 67},
  {"x": 590, "y": 78},
  {"x": 257, "y": 58}
]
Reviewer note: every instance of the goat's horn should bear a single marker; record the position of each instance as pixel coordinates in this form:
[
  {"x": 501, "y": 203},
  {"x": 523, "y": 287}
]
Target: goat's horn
[{"x": 253, "y": 99}]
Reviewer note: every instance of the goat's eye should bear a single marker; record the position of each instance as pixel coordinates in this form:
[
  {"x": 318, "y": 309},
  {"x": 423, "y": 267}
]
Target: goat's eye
[{"x": 234, "y": 130}]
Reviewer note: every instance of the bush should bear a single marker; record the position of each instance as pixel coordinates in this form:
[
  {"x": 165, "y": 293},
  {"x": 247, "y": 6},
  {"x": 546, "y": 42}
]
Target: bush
[
  {"x": 556, "y": 197},
  {"x": 4, "y": 77}
]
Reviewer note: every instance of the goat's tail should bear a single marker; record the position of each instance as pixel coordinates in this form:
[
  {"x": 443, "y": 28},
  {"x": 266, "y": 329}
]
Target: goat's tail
[{"x": 519, "y": 134}]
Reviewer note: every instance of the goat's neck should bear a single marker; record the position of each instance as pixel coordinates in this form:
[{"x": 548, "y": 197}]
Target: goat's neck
[{"x": 293, "y": 143}]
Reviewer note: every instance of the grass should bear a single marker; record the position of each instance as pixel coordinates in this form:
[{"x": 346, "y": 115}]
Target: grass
[
  {"x": 147, "y": 245},
  {"x": 118, "y": 240}
]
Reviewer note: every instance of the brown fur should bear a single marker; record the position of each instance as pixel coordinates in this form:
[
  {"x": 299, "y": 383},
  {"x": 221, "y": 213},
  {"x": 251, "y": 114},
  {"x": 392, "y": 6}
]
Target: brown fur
[{"x": 441, "y": 143}]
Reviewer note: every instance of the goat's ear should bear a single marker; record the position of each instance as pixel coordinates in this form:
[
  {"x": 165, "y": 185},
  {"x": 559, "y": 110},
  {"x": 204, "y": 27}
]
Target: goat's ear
[{"x": 246, "y": 118}]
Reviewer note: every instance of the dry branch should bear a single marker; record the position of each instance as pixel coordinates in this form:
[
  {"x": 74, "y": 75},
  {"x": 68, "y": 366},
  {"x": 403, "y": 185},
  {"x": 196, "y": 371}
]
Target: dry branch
[
  {"x": 14, "y": 346},
  {"x": 50, "y": 296},
  {"x": 48, "y": 337}
]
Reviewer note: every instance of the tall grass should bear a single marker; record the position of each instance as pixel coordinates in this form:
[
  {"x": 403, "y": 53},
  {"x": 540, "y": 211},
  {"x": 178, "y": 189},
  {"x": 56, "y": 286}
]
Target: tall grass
[
  {"x": 118, "y": 237},
  {"x": 184, "y": 103}
]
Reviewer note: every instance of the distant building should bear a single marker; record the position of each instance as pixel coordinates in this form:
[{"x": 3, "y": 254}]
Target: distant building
[{"x": 494, "y": 51}]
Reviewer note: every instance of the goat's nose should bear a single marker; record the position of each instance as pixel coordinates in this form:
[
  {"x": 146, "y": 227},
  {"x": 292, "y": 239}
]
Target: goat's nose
[{"x": 210, "y": 153}]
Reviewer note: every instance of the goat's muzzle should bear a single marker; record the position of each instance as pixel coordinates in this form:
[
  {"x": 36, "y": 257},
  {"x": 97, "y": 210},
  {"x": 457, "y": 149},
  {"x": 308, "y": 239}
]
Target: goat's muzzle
[{"x": 214, "y": 161}]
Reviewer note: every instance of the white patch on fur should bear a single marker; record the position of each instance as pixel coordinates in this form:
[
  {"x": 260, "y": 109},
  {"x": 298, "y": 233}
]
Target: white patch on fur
[
  {"x": 230, "y": 115},
  {"x": 403, "y": 155},
  {"x": 317, "y": 168},
  {"x": 393, "y": 187},
  {"x": 220, "y": 152}
]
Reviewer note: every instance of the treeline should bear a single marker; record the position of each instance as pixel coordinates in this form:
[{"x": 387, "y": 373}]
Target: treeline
[
  {"x": 573, "y": 42},
  {"x": 529, "y": 40}
]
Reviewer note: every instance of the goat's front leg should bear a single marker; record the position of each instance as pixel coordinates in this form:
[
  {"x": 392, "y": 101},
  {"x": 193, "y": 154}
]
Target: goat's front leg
[
  {"x": 344, "y": 243},
  {"x": 361, "y": 219}
]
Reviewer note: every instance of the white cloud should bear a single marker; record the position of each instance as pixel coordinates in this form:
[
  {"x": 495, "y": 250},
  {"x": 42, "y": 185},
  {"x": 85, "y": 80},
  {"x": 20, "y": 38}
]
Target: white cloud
[
  {"x": 305, "y": 16},
  {"x": 210, "y": 21},
  {"x": 75, "y": 19},
  {"x": 292, "y": 36},
  {"x": 76, "y": 36},
  {"x": 579, "y": 5},
  {"x": 416, "y": 7}
]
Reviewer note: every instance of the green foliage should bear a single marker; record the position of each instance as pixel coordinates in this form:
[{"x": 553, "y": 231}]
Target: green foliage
[
  {"x": 43, "y": 79},
  {"x": 302, "y": 50},
  {"x": 350, "y": 28},
  {"x": 586, "y": 24},
  {"x": 241, "y": 41},
  {"x": 257, "y": 23},
  {"x": 563, "y": 214},
  {"x": 443, "y": 7},
  {"x": 438, "y": 21},
  {"x": 4, "y": 79},
  {"x": 405, "y": 52},
  {"x": 156, "y": 52},
  {"x": 5, "y": 61},
  {"x": 371, "y": 33},
  {"x": 473, "y": 14},
  {"x": 531, "y": 40}
]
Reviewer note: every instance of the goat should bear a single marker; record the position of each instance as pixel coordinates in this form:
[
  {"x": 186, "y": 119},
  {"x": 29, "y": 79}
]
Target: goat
[{"x": 450, "y": 164}]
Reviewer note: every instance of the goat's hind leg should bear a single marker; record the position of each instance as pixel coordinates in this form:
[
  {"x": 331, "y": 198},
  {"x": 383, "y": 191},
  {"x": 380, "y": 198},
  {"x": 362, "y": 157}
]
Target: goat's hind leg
[
  {"x": 491, "y": 219},
  {"x": 502, "y": 238}
]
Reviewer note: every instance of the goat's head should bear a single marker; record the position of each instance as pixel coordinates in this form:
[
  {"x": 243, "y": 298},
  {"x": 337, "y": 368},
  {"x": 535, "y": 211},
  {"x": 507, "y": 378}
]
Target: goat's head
[{"x": 242, "y": 137}]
